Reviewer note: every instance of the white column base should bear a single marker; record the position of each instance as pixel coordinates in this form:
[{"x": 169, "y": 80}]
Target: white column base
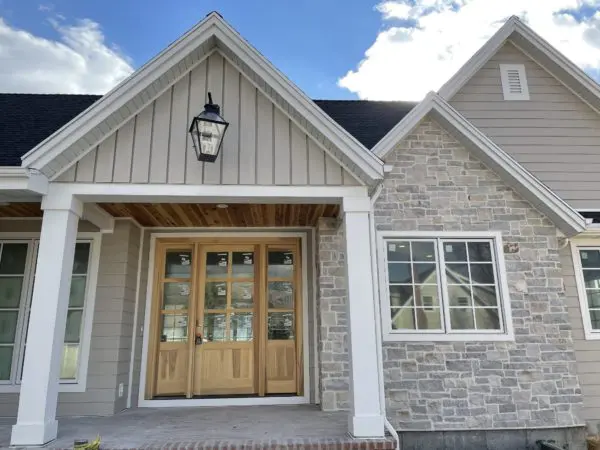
[
  {"x": 28, "y": 434},
  {"x": 366, "y": 426}
]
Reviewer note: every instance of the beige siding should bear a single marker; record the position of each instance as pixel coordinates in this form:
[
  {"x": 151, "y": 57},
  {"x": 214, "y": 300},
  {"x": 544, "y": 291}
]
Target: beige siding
[
  {"x": 587, "y": 353},
  {"x": 262, "y": 145},
  {"x": 110, "y": 348},
  {"x": 554, "y": 134}
]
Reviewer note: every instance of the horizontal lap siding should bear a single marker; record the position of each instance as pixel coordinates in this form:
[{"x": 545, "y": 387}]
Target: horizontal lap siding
[
  {"x": 262, "y": 145},
  {"x": 554, "y": 135},
  {"x": 587, "y": 353}
]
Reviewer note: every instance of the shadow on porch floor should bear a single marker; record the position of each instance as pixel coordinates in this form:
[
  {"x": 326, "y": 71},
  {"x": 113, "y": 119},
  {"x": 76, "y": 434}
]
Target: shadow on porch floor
[{"x": 249, "y": 427}]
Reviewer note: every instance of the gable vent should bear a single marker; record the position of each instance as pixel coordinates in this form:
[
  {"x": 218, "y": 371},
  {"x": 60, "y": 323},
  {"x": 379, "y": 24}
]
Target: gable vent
[{"x": 514, "y": 82}]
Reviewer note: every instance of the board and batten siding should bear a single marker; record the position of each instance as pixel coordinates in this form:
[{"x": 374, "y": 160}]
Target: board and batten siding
[
  {"x": 262, "y": 146},
  {"x": 555, "y": 135},
  {"x": 587, "y": 352}
]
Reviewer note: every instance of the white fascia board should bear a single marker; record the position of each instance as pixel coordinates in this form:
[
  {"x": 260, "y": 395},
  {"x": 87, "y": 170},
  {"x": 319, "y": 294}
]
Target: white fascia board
[
  {"x": 22, "y": 179},
  {"x": 125, "y": 91},
  {"x": 212, "y": 26},
  {"x": 348, "y": 144},
  {"x": 514, "y": 26},
  {"x": 479, "y": 59},
  {"x": 565, "y": 217}
]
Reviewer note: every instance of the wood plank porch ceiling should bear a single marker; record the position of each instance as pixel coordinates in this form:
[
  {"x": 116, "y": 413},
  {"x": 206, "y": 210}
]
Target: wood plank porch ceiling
[{"x": 208, "y": 215}]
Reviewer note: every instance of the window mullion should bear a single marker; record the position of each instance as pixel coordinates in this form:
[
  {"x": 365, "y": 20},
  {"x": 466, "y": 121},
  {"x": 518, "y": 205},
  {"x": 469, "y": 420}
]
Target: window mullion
[{"x": 443, "y": 286}]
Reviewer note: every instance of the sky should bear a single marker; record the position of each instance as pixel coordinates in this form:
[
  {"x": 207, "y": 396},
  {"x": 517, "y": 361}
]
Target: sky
[{"x": 334, "y": 49}]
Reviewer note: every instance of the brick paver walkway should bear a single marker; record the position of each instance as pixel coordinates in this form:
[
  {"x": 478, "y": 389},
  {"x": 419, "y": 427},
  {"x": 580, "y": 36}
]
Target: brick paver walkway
[{"x": 232, "y": 428}]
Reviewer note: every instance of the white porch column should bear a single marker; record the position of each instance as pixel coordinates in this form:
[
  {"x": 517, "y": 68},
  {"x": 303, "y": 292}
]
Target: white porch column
[
  {"x": 366, "y": 419},
  {"x": 36, "y": 420}
]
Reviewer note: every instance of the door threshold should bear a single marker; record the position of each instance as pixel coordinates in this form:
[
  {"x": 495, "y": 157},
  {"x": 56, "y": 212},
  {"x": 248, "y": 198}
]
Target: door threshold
[{"x": 223, "y": 401}]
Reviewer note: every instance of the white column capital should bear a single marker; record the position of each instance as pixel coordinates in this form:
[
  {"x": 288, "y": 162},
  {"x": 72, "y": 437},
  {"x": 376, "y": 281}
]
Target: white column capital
[
  {"x": 356, "y": 205},
  {"x": 55, "y": 201}
]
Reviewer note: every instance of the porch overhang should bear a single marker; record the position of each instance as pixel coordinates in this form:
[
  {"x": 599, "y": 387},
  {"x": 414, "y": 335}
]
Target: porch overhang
[{"x": 21, "y": 183}]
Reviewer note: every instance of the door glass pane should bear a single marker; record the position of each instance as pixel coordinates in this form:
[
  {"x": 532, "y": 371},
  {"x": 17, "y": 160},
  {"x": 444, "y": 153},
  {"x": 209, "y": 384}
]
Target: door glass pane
[
  {"x": 485, "y": 295},
  {"x": 216, "y": 264},
  {"x": 77, "y": 292},
  {"x": 281, "y": 264},
  {"x": 280, "y": 325},
  {"x": 243, "y": 265},
  {"x": 428, "y": 319},
  {"x": 72, "y": 332},
  {"x": 178, "y": 264},
  {"x": 281, "y": 295},
  {"x": 401, "y": 296},
  {"x": 242, "y": 295},
  {"x": 399, "y": 273},
  {"x": 214, "y": 327},
  {"x": 82, "y": 256},
  {"x": 398, "y": 251},
  {"x": 215, "y": 295},
  {"x": 14, "y": 257},
  {"x": 5, "y": 362},
  {"x": 240, "y": 326},
  {"x": 176, "y": 295},
  {"x": 174, "y": 328},
  {"x": 70, "y": 362},
  {"x": 423, "y": 251},
  {"x": 480, "y": 251},
  {"x": 10, "y": 291},
  {"x": 8, "y": 326}
]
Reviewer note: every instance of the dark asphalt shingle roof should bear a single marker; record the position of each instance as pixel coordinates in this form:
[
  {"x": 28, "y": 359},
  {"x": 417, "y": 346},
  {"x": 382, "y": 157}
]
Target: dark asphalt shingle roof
[{"x": 28, "y": 119}]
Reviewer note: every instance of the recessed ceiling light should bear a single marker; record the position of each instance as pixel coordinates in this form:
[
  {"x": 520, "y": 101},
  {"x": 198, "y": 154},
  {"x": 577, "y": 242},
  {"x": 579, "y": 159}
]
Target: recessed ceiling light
[{"x": 222, "y": 205}]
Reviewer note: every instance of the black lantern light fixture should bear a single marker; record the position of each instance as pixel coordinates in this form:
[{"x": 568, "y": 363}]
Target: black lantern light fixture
[{"x": 207, "y": 130}]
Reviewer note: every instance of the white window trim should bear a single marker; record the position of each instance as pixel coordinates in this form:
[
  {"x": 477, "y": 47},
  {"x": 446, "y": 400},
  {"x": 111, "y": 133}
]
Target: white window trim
[
  {"x": 390, "y": 335},
  {"x": 524, "y": 95},
  {"x": 589, "y": 333},
  {"x": 95, "y": 240}
]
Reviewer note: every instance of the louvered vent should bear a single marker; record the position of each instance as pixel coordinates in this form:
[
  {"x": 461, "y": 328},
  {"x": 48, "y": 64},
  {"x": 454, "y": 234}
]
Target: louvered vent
[{"x": 514, "y": 82}]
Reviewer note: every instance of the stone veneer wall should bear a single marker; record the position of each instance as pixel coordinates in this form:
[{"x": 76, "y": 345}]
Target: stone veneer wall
[
  {"x": 436, "y": 185},
  {"x": 334, "y": 367}
]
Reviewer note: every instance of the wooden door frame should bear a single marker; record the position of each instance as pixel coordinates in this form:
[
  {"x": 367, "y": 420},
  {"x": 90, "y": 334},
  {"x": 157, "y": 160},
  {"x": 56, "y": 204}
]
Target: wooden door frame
[{"x": 146, "y": 371}]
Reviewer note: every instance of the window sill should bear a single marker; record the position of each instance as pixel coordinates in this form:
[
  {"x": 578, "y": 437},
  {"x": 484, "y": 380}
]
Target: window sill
[
  {"x": 63, "y": 387},
  {"x": 458, "y": 337},
  {"x": 592, "y": 335}
]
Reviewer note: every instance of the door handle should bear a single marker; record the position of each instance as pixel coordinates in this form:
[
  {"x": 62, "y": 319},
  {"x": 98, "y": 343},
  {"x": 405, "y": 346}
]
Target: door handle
[{"x": 198, "y": 339}]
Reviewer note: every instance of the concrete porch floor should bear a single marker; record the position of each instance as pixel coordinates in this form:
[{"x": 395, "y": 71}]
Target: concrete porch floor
[{"x": 298, "y": 426}]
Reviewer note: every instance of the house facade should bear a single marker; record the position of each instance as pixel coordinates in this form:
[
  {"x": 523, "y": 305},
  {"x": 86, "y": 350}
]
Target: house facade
[{"x": 426, "y": 268}]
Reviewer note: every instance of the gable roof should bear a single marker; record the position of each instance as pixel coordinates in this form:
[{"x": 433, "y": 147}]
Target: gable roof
[
  {"x": 537, "y": 48},
  {"x": 529, "y": 187},
  {"x": 28, "y": 119},
  {"x": 367, "y": 120},
  {"x": 71, "y": 142}
]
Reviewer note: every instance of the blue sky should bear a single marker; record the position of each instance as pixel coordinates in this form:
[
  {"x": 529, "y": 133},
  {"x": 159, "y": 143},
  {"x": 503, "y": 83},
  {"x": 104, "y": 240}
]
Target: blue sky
[
  {"x": 374, "y": 49},
  {"x": 314, "y": 42}
]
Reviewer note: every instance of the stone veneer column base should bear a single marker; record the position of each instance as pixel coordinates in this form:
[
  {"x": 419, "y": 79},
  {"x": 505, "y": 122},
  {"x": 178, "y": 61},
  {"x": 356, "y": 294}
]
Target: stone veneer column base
[{"x": 572, "y": 438}]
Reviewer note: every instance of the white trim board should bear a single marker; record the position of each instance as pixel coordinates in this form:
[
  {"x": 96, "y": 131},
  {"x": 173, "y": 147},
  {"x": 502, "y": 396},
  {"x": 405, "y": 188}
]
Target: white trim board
[
  {"x": 590, "y": 243},
  {"x": 69, "y": 143},
  {"x": 207, "y": 232},
  {"x": 544, "y": 54},
  {"x": 95, "y": 239},
  {"x": 507, "y": 333},
  {"x": 176, "y": 193},
  {"x": 567, "y": 219}
]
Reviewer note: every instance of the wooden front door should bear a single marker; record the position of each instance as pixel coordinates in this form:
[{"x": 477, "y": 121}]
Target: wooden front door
[{"x": 226, "y": 319}]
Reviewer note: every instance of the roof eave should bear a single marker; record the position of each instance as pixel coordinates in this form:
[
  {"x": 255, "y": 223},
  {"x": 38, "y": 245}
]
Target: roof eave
[{"x": 569, "y": 221}]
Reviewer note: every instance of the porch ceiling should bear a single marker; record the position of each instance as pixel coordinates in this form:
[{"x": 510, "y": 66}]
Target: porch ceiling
[
  {"x": 209, "y": 215},
  {"x": 21, "y": 210}
]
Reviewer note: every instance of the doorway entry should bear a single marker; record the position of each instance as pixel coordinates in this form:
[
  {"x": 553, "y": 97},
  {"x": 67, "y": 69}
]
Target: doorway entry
[{"x": 226, "y": 318}]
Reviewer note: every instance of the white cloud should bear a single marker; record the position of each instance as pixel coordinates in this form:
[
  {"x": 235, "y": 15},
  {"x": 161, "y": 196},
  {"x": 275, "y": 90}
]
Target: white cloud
[
  {"x": 78, "y": 62},
  {"x": 427, "y": 41}
]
